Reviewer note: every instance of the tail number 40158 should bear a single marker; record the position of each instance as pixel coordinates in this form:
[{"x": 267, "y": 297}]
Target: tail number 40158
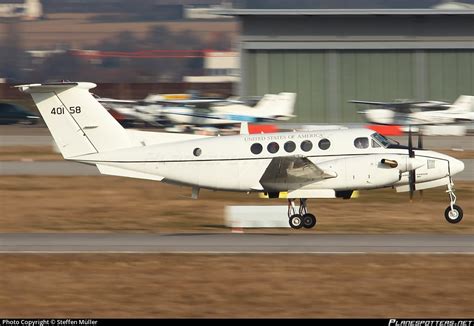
[{"x": 62, "y": 110}]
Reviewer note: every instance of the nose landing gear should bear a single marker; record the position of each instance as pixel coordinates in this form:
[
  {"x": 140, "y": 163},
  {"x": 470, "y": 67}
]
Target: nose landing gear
[
  {"x": 301, "y": 218},
  {"x": 453, "y": 213}
]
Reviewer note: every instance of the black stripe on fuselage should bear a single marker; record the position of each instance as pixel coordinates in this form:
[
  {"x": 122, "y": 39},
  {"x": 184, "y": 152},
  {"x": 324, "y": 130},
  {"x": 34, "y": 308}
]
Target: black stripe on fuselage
[{"x": 249, "y": 158}]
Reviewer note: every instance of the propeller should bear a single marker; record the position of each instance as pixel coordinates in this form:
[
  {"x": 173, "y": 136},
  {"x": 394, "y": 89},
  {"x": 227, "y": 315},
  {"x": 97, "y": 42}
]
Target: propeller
[
  {"x": 411, "y": 153},
  {"x": 420, "y": 146},
  {"x": 412, "y": 163},
  {"x": 420, "y": 139},
  {"x": 412, "y": 173}
]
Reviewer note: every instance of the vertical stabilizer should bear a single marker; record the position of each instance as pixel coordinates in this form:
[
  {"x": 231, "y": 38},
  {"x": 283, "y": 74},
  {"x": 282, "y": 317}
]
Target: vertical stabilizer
[
  {"x": 464, "y": 103},
  {"x": 280, "y": 105},
  {"x": 78, "y": 123}
]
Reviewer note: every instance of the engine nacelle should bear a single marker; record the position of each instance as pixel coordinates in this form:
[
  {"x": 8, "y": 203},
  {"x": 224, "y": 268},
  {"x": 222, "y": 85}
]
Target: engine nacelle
[
  {"x": 364, "y": 172},
  {"x": 403, "y": 163},
  {"x": 380, "y": 116}
]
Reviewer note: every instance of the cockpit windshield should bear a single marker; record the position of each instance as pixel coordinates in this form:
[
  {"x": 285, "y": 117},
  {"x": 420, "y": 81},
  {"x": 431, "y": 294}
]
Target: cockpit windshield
[{"x": 382, "y": 140}]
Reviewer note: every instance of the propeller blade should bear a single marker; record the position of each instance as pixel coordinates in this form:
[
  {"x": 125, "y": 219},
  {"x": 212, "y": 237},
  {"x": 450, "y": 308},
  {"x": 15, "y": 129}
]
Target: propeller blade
[
  {"x": 420, "y": 140},
  {"x": 411, "y": 153},
  {"x": 412, "y": 181}
]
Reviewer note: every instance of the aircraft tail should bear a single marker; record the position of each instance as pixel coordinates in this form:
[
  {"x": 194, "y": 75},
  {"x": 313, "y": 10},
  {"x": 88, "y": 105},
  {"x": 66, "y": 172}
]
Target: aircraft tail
[
  {"x": 280, "y": 106},
  {"x": 463, "y": 104},
  {"x": 79, "y": 124}
]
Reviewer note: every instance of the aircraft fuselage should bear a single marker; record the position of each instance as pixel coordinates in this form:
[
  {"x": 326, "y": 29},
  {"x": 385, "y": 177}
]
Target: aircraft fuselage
[{"x": 237, "y": 163}]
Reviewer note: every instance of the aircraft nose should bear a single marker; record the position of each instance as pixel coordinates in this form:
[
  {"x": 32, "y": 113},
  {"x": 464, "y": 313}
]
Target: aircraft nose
[{"x": 456, "y": 166}]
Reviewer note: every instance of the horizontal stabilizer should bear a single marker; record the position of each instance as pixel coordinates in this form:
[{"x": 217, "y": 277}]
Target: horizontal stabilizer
[
  {"x": 112, "y": 170},
  {"x": 51, "y": 87}
]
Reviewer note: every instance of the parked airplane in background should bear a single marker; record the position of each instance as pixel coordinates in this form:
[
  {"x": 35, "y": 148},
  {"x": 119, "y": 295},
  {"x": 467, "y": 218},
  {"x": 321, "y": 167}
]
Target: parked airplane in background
[
  {"x": 420, "y": 113},
  {"x": 309, "y": 164},
  {"x": 208, "y": 112},
  {"x": 271, "y": 107},
  {"x": 146, "y": 112},
  {"x": 134, "y": 113}
]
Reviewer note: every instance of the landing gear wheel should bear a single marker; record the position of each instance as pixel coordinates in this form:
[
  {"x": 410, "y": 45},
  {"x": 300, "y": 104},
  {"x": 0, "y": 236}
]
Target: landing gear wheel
[
  {"x": 296, "y": 222},
  {"x": 309, "y": 221},
  {"x": 453, "y": 215}
]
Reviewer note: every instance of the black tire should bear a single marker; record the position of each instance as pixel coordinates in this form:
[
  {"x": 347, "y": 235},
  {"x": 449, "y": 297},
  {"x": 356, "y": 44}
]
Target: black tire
[
  {"x": 296, "y": 222},
  {"x": 309, "y": 221},
  {"x": 454, "y": 216}
]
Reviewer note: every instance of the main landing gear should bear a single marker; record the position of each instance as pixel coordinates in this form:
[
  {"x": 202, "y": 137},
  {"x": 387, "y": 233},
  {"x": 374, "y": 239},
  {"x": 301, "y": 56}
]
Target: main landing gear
[
  {"x": 453, "y": 213},
  {"x": 301, "y": 218}
]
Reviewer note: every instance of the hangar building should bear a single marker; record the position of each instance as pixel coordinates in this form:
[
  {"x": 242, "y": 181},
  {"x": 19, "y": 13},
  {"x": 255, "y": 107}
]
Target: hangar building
[{"x": 330, "y": 56}]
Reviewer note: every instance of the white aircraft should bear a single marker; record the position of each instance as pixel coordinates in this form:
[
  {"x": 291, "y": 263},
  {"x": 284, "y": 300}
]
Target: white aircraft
[
  {"x": 225, "y": 112},
  {"x": 209, "y": 112},
  {"x": 309, "y": 164},
  {"x": 420, "y": 113},
  {"x": 130, "y": 113}
]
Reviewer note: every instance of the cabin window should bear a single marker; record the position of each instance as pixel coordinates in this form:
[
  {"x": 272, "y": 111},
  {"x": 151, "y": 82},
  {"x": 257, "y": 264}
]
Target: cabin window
[
  {"x": 361, "y": 142},
  {"x": 273, "y": 147},
  {"x": 306, "y": 145},
  {"x": 256, "y": 148},
  {"x": 289, "y": 146},
  {"x": 197, "y": 152},
  {"x": 324, "y": 144}
]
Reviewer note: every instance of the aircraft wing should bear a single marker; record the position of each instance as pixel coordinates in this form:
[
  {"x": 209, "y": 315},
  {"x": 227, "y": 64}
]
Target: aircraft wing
[
  {"x": 406, "y": 106},
  {"x": 391, "y": 104},
  {"x": 292, "y": 172},
  {"x": 164, "y": 102},
  {"x": 192, "y": 102},
  {"x": 115, "y": 101}
]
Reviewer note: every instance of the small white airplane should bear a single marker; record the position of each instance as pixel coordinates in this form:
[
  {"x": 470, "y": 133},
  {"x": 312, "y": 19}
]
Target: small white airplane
[
  {"x": 420, "y": 113},
  {"x": 130, "y": 113},
  {"x": 208, "y": 112},
  {"x": 271, "y": 107},
  {"x": 308, "y": 164}
]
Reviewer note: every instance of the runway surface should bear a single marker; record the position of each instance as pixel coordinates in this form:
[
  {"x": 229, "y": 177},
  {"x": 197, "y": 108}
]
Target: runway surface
[
  {"x": 49, "y": 168},
  {"x": 23, "y": 140},
  {"x": 63, "y": 168},
  {"x": 234, "y": 243}
]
